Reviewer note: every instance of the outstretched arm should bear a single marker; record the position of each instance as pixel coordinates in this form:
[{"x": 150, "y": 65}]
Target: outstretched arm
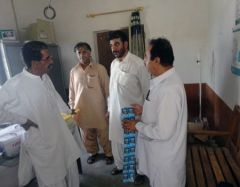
[{"x": 8, "y": 117}]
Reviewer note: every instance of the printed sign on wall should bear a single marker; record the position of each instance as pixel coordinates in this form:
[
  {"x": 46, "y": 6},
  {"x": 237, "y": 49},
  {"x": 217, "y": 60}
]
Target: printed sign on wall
[{"x": 235, "y": 67}]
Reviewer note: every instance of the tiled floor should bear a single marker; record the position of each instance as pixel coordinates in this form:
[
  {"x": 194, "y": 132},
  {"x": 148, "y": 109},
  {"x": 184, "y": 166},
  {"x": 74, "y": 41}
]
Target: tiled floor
[
  {"x": 99, "y": 175},
  {"x": 94, "y": 175}
]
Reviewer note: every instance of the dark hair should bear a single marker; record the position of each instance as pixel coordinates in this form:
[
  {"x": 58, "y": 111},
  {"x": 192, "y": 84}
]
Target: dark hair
[
  {"x": 162, "y": 48},
  {"x": 31, "y": 51},
  {"x": 83, "y": 45},
  {"x": 117, "y": 34}
]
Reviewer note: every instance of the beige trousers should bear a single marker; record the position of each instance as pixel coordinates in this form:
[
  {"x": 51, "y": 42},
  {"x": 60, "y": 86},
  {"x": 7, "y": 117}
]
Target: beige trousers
[{"x": 90, "y": 139}]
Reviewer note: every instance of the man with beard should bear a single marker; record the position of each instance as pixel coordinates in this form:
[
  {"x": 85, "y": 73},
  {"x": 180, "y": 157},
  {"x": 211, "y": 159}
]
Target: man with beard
[
  {"x": 129, "y": 83},
  {"x": 30, "y": 98},
  {"x": 88, "y": 91}
]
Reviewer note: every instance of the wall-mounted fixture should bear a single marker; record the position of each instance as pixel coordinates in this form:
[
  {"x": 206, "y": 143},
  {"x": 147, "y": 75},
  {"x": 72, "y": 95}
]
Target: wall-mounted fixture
[
  {"x": 114, "y": 12},
  {"x": 49, "y": 12}
]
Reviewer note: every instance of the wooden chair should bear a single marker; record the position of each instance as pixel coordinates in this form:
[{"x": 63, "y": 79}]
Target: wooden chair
[{"x": 210, "y": 164}]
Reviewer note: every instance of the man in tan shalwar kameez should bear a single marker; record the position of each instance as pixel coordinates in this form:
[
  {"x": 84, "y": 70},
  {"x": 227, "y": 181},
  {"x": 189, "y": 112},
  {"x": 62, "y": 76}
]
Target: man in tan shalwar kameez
[{"x": 88, "y": 91}]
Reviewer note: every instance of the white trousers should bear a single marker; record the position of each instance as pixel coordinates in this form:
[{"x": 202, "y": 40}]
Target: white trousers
[
  {"x": 71, "y": 180},
  {"x": 117, "y": 151}
]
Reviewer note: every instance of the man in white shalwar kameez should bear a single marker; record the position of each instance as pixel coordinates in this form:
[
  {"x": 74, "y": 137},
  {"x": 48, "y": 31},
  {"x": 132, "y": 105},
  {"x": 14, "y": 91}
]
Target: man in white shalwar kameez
[
  {"x": 129, "y": 83},
  {"x": 30, "y": 98},
  {"x": 162, "y": 131}
]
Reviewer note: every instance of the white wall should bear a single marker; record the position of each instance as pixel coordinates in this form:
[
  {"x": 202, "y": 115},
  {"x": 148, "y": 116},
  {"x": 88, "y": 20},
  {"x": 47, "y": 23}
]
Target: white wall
[
  {"x": 6, "y": 15},
  {"x": 220, "y": 56},
  {"x": 194, "y": 27},
  {"x": 183, "y": 22}
]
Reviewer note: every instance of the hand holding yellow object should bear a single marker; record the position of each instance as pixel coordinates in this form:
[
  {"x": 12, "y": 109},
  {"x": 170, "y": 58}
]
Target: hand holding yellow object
[
  {"x": 69, "y": 120},
  {"x": 76, "y": 115},
  {"x": 67, "y": 117}
]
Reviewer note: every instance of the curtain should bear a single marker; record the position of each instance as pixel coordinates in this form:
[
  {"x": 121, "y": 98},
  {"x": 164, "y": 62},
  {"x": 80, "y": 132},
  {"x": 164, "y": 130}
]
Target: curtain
[{"x": 136, "y": 39}]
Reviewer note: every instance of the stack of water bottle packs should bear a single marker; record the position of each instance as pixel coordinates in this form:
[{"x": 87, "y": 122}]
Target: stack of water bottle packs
[{"x": 129, "y": 163}]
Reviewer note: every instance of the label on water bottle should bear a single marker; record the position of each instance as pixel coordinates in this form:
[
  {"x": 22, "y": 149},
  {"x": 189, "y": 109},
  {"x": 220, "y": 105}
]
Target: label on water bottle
[{"x": 129, "y": 159}]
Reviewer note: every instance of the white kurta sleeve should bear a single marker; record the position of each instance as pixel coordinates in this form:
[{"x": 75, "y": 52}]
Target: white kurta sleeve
[
  {"x": 167, "y": 116},
  {"x": 104, "y": 81},
  {"x": 6, "y": 116},
  {"x": 110, "y": 86},
  {"x": 62, "y": 106},
  {"x": 144, "y": 78},
  {"x": 71, "y": 96}
]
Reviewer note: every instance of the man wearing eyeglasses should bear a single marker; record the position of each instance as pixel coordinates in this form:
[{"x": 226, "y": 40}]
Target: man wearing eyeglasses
[
  {"x": 29, "y": 98},
  {"x": 162, "y": 131}
]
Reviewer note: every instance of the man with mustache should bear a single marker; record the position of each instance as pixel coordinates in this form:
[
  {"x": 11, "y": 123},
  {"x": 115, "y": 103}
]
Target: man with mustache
[
  {"x": 88, "y": 91},
  {"x": 129, "y": 83},
  {"x": 29, "y": 98}
]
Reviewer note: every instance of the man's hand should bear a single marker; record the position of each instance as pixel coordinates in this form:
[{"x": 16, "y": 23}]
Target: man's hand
[
  {"x": 76, "y": 114},
  {"x": 73, "y": 111},
  {"x": 129, "y": 125},
  {"x": 137, "y": 109},
  {"x": 29, "y": 124},
  {"x": 76, "y": 117}
]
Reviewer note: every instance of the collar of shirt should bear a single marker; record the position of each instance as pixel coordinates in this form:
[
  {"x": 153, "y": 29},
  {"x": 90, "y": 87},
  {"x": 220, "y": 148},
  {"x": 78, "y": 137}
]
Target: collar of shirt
[
  {"x": 161, "y": 77},
  {"x": 90, "y": 65},
  {"x": 30, "y": 75}
]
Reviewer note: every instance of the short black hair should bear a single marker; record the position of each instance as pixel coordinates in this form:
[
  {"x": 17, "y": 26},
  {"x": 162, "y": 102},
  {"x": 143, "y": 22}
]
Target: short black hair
[
  {"x": 83, "y": 45},
  {"x": 117, "y": 34},
  {"x": 31, "y": 51},
  {"x": 162, "y": 48}
]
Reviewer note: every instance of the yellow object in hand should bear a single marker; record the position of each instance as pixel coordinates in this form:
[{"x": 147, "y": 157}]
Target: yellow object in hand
[{"x": 67, "y": 117}]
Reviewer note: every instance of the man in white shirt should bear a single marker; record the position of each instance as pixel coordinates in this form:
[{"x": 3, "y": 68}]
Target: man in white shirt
[
  {"x": 162, "y": 131},
  {"x": 6, "y": 116},
  {"x": 30, "y": 98},
  {"x": 129, "y": 83}
]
